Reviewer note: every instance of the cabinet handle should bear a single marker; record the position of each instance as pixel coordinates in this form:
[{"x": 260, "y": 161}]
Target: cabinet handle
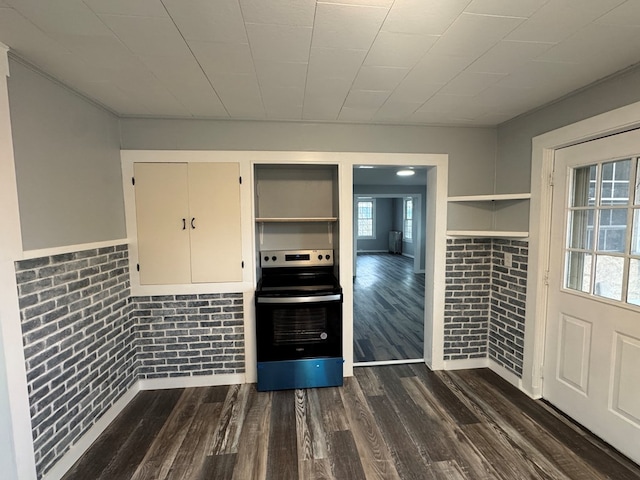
[
  {"x": 192, "y": 223},
  {"x": 184, "y": 223}
]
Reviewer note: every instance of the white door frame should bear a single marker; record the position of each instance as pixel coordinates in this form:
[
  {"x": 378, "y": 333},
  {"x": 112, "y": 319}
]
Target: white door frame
[{"x": 543, "y": 151}]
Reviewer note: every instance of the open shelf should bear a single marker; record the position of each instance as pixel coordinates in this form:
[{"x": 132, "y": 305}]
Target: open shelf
[
  {"x": 487, "y": 233},
  {"x": 490, "y": 198},
  {"x": 494, "y": 215},
  {"x": 295, "y": 219}
]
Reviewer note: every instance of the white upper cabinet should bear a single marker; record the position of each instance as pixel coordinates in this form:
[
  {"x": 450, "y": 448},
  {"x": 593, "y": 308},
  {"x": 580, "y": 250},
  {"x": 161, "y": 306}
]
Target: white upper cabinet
[{"x": 188, "y": 222}]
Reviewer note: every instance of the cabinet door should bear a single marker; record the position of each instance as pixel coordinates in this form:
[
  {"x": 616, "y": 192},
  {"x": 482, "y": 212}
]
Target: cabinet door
[
  {"x": 216, "y": 239},
  {"x": 162, "y": 221}
]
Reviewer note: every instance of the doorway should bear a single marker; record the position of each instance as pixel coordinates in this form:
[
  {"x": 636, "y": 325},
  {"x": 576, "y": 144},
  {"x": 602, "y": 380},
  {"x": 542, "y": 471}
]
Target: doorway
[
  {"x": 592, "y": 346},
  {"x": 388, "y": 267}
]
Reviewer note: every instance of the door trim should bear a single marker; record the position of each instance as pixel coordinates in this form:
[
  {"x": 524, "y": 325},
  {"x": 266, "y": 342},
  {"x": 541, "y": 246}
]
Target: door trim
[{"x": 542, "y": 156}]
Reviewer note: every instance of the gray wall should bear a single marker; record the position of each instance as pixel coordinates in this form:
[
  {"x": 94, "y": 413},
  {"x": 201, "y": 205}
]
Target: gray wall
[
  {"x": 67, "y": 156},
  {"x": 472, "y": 151},
  {"x": 513, "y": 167}
]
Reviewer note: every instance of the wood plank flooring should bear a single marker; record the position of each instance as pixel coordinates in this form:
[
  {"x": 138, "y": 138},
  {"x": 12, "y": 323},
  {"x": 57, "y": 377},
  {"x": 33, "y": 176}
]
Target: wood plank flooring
[
  {"x": 388, "y": 422},
  {"x": 388, "y": 309}
]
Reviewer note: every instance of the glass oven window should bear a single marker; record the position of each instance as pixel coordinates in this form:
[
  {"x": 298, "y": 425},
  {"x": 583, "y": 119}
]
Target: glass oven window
[{"x": 299, "y": 326}]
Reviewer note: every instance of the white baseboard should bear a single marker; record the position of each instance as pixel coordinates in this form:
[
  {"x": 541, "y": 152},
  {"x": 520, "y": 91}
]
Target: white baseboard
[
  {"x": 82, "y": 445},
  {"x": 379, "y": 363},
  {"x": 507, "y": 375},
  {"x": 466, "y": 364},
  {"x": 195, "y": 381}
]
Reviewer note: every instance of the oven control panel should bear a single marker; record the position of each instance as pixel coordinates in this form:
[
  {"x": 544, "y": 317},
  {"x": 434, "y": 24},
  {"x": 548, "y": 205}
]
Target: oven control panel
[{"x": 296, "y": 258}]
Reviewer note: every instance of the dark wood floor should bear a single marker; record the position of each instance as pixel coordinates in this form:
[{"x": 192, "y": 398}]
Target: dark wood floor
[
  {"x": 388, "y": 309},
  {"x": 388, "y": 422}
]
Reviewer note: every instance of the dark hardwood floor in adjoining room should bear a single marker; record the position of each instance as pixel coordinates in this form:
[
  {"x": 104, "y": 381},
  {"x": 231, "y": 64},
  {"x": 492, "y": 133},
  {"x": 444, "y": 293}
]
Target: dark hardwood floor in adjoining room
[
  {"x": 388, "y": 309},
  {"x": 387, "y": 422}
]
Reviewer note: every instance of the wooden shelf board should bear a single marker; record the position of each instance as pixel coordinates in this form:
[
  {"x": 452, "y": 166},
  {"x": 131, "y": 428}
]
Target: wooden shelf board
[
  {"x": 297, "y": 219},
  {"x": 487, "y": 233},
  {"x": 487, "y": 198}
]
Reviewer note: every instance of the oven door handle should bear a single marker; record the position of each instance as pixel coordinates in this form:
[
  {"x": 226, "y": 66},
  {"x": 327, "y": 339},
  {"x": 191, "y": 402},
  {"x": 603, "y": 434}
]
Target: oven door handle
[{"x": 319, "y": 299}]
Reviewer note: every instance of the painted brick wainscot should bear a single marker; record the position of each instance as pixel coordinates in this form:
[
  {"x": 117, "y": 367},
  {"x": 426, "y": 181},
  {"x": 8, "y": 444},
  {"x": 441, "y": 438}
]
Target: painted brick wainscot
[
  {"x": 484, "y": 301},
  {"x": 87, "y": 340}
]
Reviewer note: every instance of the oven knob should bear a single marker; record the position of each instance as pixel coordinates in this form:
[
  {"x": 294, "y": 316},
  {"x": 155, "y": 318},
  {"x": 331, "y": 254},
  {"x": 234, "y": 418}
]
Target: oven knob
[
  {"x": 327, "y": 257},
  {"x": 274, "y": 258},
  {"x": 266, "y": 259},
  {"x": 319, "y": 257}
]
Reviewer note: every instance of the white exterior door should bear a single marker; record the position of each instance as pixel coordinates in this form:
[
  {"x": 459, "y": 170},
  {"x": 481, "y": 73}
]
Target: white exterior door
[{"x": 592, "y": 348}]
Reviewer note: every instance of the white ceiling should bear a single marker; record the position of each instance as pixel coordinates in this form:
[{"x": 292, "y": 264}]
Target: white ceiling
[{"x": 453, "y": 62}]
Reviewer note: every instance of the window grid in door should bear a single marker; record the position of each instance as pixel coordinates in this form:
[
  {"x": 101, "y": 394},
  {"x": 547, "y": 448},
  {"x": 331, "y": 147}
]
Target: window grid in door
[{"x": 602, "y": 255}]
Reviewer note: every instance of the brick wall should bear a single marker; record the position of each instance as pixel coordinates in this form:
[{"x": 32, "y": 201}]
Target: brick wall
[
  {"x": 77, "y": 335},
  {"x": 467, "y": 298},
  {"x": 87, "y": 340},
  {"x": 182, "y": 335},
  {"x": 485, "y": 301},
  {"x": 508, "y": 295}
]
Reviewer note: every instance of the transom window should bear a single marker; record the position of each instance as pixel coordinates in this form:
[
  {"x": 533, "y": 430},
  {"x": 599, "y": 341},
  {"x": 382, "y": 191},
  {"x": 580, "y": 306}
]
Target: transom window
[
  {"x": 366, "y": 217},
  {"x": 603, "y": 235}
]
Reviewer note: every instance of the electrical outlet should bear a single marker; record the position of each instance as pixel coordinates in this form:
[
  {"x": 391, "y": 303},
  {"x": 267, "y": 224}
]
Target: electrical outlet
[{"x": 508, "y": 260}]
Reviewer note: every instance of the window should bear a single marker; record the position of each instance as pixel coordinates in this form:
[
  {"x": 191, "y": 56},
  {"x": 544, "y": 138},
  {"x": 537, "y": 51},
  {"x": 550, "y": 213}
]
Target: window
[
  {"x": 603, "y": 240},
  {"x": 366, "y": 218},
  {"x": 407, "y": 223}
]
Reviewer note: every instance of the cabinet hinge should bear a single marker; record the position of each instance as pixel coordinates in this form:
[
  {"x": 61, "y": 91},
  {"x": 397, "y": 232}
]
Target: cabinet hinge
[
  {"x": 546, "y": 277},
  {"x": 240, "y": 180},
  {"x": 138, "y": 267},
  {"x": 133, "y": 180}
]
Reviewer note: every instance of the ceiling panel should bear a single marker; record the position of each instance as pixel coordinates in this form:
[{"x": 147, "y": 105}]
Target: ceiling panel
[
  {"x": 223, "y": 58},
  {"x": 559, "y": 19},
  {"x": 413, "y": 16},
  {"x": 279, "y": 43},
  {"x": 279, "y": 12},
  {"x": 204, "y": 20},
  {"x": 505, "y": 8},
  {"x": 347, "y": 26},
  {"x": 467, "y": 62},
  {"x": 143, "y": 8},
  {"x": 147, "y": 35},
  {"x": 399, "y": 49},
  {"x": 506, "y": 56},
  {"x": 379, "y": 78},
  {"x": 473, "y": 35}
]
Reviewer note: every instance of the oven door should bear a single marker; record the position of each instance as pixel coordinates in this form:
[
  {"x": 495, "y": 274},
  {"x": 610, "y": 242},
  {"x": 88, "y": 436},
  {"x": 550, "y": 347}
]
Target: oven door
[{"x": 298, "y": 327}]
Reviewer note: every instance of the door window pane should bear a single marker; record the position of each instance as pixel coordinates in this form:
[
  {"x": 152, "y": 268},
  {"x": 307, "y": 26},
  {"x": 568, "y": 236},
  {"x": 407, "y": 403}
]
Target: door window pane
[
  {"x": 612, "y": 232},
  {"x": 609, "y": 273},
  {"x": 636, "y": 197},
  {"x": 584, "y": 186},
  {"x": 579, "y": 271},
  {"x": 635, "y": 233},
  {"x": 615, "y": 183},
  {"x": 581, "y": 229},
  {"x": 633, "y": 290}
]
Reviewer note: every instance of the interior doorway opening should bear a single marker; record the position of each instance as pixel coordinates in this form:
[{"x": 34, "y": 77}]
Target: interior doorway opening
[{"x": 388, "y": 265}]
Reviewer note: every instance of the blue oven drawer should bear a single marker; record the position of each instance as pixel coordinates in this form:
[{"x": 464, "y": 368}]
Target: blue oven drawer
[{"x": 303, "y": 373}]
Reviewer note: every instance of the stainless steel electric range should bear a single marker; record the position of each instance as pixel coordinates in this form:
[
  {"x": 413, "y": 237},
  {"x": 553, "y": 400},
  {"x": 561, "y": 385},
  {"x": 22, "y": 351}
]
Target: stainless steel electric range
[{"x": 298, "y": 320}]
